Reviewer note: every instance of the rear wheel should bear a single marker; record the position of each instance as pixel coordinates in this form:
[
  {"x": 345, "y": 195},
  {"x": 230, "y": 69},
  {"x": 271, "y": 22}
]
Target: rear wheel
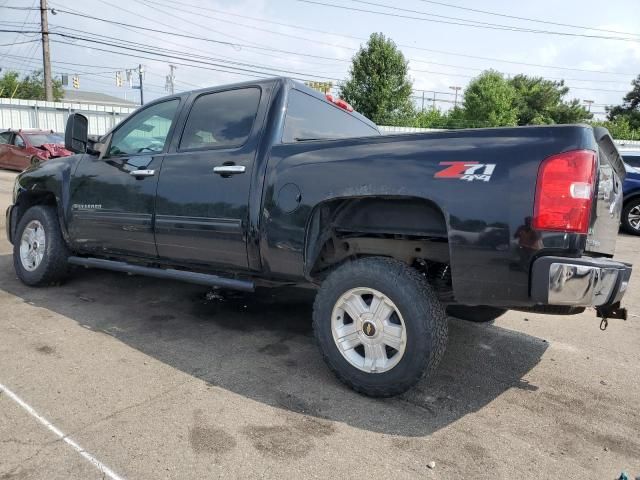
[
  {"x": 478, "y": 314},
  {"x": 379, "y": 325},
  {"x": 39, "y": 251},
  {"x": 631, "y": 216}
]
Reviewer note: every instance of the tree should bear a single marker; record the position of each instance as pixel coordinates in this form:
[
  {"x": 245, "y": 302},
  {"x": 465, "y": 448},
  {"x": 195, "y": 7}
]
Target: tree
[
  {"x": 539, "y": 102},
  {"x": 31, "y": 87},
  {"x": 489, "y": 101},
  {"x": 620, "y": 129},
  {"x": 378, "y": 85},
  {"x": 630, "y": 108}
]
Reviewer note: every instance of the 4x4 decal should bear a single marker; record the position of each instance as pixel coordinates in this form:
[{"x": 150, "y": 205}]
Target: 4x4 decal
[{"x": 468, "y": 171}]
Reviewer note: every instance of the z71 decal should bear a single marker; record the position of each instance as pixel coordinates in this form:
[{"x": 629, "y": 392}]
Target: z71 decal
[{"x": 468, "y": 171}]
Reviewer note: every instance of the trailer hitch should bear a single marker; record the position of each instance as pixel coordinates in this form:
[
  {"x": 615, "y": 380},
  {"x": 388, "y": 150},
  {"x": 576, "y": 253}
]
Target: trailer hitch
[{"x": 610, "y": 311}]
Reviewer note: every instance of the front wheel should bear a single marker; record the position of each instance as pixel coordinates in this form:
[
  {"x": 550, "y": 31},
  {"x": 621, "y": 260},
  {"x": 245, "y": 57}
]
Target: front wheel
[
  {"x": 39, "y": 251},
  {"x": 631, "y": 216},
  {"x": 379, "y": 325}
]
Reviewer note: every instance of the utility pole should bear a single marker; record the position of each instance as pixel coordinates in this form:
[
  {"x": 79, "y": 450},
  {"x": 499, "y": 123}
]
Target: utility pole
[
  {"x": 46, "y": 58},
  {"x": 588, "y": 102},
  {"x": 456, "y": 89},
  {"x": 171, "y": 78},
  {"x": 140, "y": 72}
]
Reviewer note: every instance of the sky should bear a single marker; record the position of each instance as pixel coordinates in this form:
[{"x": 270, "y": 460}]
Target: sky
[{"x": 244, "y": 39}]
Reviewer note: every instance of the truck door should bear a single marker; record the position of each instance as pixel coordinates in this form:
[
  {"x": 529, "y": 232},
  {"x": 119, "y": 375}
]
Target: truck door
[
  {"x": 113, "y": 197},
  {"x": 202, "y": 206}
]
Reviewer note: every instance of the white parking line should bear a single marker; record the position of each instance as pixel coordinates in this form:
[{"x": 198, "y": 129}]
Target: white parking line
[{"x": 86, "y": 455}]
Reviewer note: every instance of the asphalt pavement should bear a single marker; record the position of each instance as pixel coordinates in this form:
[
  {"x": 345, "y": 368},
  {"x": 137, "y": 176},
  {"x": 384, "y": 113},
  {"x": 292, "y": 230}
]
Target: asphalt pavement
[{"x": 125, "y": 377}]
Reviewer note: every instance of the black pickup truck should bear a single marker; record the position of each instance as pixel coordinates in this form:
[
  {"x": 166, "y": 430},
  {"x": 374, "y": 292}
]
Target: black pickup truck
[{"x": 269, "y": 183}]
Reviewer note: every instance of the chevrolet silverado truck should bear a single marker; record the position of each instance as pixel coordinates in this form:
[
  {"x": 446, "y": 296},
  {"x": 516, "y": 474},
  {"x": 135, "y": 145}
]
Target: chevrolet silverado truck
[{"x": 270, "y": 183}]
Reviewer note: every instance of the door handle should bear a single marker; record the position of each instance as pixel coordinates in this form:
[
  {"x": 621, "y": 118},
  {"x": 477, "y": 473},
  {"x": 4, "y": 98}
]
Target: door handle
[
  {"x": 229, "y": 169},
  {"x": 142, "y": 173}
]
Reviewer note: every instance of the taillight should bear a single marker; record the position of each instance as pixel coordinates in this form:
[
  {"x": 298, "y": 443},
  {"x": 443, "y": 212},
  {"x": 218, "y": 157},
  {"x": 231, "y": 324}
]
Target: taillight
[{"x": 564, "y": 192}]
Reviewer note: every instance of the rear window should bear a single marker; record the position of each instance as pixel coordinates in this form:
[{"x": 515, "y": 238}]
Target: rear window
[
  {"x": 39, "y": 139},
  {"x": 632, "y": 160},
  {"x": 309, "y": 118},
  {"x": 5, "y": 137}
]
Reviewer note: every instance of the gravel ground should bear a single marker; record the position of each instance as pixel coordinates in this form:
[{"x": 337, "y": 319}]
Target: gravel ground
[{"x": 155, "y": 381}]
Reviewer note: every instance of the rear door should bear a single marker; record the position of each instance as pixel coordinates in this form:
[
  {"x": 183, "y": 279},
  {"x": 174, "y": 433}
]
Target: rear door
[{"x": 203, "y": 192}]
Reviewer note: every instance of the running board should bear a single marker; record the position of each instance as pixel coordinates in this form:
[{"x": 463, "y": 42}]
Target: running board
[{"x": 172, "y": 274}]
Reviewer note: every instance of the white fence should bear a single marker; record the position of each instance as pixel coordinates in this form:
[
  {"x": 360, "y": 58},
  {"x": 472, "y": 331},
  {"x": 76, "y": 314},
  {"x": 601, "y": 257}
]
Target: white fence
[
  {"x": 387, "y": 130},
  {"x": 16, "y": 113}
]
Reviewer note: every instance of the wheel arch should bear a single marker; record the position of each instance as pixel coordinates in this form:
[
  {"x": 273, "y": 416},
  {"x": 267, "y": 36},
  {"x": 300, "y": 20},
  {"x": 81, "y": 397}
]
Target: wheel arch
[
  {"x": 30, "y": 198},
  {"x": 630, "y": 196},
  {"x": 393, "y": 226}
]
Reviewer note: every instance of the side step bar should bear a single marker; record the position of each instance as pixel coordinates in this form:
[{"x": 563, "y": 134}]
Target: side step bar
[{"x": 182, "y": 275}]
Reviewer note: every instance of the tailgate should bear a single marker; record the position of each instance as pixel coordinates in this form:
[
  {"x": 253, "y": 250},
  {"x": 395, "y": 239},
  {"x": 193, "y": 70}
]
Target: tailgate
[{"x": 605, "y": 219}]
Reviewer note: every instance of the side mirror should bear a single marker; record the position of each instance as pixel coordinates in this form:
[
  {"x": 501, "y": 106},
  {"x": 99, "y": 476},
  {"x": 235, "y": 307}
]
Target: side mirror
[{"x": 76, "y": 134}]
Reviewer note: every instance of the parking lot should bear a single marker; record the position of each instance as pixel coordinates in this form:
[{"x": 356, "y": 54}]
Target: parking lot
[{"x": 153, "y": 379}]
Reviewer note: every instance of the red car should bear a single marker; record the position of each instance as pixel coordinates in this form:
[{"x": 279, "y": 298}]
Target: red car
[{"x": 22, "y": 148}]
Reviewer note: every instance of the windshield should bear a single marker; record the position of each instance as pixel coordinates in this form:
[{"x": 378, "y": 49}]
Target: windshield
[{"x": 38, "y": 139}]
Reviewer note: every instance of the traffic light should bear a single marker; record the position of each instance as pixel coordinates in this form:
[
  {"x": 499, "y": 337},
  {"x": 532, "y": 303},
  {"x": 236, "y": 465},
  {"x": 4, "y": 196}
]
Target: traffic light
[
  {"x": 119, "y": 81},
  {"x": 76, "y": 81}
]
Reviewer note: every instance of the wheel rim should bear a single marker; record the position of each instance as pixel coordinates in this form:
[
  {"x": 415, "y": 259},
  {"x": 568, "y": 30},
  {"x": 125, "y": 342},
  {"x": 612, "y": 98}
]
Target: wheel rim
[
  {"x": 634, "y": 217},
  {"x": 368, "y": 330},
  {"x": 32, "y": 245}
]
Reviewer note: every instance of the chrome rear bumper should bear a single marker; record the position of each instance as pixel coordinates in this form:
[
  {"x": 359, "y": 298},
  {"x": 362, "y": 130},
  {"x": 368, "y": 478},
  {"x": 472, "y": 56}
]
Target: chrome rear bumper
[{"x": 580, "y": 282}]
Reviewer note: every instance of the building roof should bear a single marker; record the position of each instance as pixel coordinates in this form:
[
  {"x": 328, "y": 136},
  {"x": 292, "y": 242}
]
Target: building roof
[{"x": 79, "y": 96}]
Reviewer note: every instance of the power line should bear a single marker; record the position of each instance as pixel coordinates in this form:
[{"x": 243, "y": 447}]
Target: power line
[
  {"x": 469, "y": 23},
  {"x": 352, "y": 37},
  {"x": 199, "y": 14},
  {"x": 276, "y": 69},
  {"x": 232, "y": 44},
  {"x": 547, "y": 22},
  {"x": 149, "y": 49},
  {"x": 328, "y": 58}
]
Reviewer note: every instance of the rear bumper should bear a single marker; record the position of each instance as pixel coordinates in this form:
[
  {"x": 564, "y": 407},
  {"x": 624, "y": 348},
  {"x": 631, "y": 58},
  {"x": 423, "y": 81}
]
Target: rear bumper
[{"x": 579, "y": 282}]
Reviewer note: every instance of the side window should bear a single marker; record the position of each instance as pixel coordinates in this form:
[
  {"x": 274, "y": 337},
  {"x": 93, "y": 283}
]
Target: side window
[
  {"x": 309, "y": 118},
  {"x": 5, "y": 137},
  {"x": 18, "y": 141},
  {"x": 146, "y": 131},
  {"x": 221, "y": 119}
]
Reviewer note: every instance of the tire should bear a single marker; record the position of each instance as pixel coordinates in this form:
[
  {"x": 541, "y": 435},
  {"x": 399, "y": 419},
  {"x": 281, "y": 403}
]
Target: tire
[
  {"x": 52, "y": 266},
  {"x": 34, "y": 161},
  {"x": 417, "y": 313},
  {"x": 478, "y": 314},
  {"x": 632, "y": 207}
]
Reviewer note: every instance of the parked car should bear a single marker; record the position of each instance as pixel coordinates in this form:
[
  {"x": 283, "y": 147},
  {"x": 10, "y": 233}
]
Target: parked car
[
  {"x": 631, "y": 191},
  {"x": 269, "y": 183},
  {"x": 20, "y": 149}
]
